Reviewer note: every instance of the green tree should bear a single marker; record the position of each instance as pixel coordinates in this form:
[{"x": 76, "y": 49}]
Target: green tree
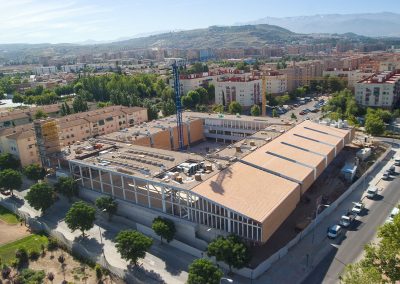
[
  {"x": 168, "y": 107},
  {"x": 203, "y": 271},
  {"x": 10, "y": 179},
  {"x": 30, "y": 276},
  {"x": 255, "y": 110},
  {"x": 79, "y": 104},
  {"x": 8, "y": 161},
  {"x": 293, "y": 116},
  {"x": 230, "y": 250},
  {"x": 356, "y": 273},
  {"x": 107, "y": 204},
  {"x": 40, "y": 196},
  {"x": 164, "y": 228},
  {"x": 34, "y": 172},
  {"x": 235, "y": 107},
  {"x": 18, "y": 98},
  {"x": 374, "y": 125},
  {"x": 132, "y": 245},
  {"x": 203, "y": 95},
  {"x": 274, "y": 113},
  {"x": 67, "y": 186},
  {"x": 218, "y": 108},
  {"x": 187, "y": 102},
  {"x": 80, "y": 216}
]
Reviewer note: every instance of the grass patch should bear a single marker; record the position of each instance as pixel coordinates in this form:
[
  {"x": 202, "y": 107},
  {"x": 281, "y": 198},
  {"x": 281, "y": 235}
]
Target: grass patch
[
  {"x": 7, "y": 252},
  {"x": 7, "y": 216}
]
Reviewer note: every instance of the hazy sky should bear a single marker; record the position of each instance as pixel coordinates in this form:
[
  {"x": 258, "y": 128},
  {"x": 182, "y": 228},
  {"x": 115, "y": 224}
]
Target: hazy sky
[{"x": 55, "y": 21}]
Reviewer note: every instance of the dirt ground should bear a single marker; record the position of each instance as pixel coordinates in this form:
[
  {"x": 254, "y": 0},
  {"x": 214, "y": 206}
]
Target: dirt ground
[
  {"x": 73, "y": 272},
  {"x": 330, "y": 184},
  {"x": 10, "y": 233}
]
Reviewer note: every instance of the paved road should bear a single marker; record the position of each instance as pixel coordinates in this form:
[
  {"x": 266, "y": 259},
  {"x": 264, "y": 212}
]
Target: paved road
[{"x": 351, "y": 248}]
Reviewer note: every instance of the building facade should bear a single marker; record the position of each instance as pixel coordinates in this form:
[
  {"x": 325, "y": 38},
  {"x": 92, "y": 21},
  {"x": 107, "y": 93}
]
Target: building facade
[
  {"x": 246, "y": 91},
  {"x": 380, "y": 90}
]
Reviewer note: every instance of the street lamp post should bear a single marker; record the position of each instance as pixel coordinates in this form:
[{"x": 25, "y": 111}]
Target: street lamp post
[{"x": 315, "y": 220}]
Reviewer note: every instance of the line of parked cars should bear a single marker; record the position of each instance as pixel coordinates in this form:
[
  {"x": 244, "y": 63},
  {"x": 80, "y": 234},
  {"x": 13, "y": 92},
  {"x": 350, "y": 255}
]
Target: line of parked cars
[
  {"x": 347, "y": 219},
  {"x": 315, "y": 109}
]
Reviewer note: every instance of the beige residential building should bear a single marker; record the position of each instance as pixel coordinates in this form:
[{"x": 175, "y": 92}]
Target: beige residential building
[
  {"x": 276, "y": 83},
  {"x": 21, "y": 142}
]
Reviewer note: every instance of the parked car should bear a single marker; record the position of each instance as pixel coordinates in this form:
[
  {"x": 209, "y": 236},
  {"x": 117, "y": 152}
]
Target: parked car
[
  {"x": 372, "y": 192},
  {"x": 6, "y": 192},
  {"x": 347, "y": 219},
  {"x": 397, "y": 161},
  {"x": 394, "y": 212},
  {"x": 334, "y": 231},
  {"x": 386, "y": 176},
  {"x": 302, "y": 112},
  {"x": 357, "y": 208},
  {"x": 392, "y": 170}
]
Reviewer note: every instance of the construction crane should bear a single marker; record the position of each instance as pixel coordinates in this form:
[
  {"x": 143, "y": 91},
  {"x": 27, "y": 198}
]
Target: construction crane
[{"x": 175, "y": 64}]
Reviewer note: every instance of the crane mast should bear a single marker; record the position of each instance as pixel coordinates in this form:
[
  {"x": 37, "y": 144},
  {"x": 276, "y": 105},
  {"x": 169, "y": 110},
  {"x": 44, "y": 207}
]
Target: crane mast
[{"x": 177, "y": 88}]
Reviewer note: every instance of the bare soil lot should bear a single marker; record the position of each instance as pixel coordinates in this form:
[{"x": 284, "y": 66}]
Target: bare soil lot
[{"x": 10, "y": 233}]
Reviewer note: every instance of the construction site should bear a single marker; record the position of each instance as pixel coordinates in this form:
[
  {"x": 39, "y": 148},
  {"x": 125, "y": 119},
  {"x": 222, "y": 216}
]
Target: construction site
[{"x": 236, "y": 174}]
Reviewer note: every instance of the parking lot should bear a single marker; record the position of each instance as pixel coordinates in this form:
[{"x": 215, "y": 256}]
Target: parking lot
[{"x": 297, "y": 109}]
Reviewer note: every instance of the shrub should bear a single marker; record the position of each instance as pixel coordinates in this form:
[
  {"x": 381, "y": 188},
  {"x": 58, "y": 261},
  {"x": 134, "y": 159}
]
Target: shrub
[
  {"x": 22, "y": 256},
  {"x": 99, "y": 271},
  {"x": 14, "y": 263},
  {"x": 34, "y": 254},
  {"x": 5, "y": 272},
  {"x": 52, "y": 244},
  {"x": 31, "y": 276}
]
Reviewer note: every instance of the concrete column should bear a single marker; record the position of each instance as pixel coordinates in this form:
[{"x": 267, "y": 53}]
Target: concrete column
[
  {"x": 80, "y": 172},
  {"x": 229, "y": 220},
  {"x": 91, "y": 179},
  {"x": 123, "y": 187},
  {"x": 101, "y": 182},
  {"x": 164, "y": 209},
  {"x": 135, "y": 188},
  {"x": 112, "y": 184},
  {"x": 148, "y": 194}
]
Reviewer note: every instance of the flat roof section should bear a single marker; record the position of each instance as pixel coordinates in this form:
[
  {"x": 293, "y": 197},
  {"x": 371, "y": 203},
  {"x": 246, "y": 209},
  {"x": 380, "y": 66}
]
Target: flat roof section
[
  {"x": 249, "y": 191},
  {"x": 316, "y": 136}
]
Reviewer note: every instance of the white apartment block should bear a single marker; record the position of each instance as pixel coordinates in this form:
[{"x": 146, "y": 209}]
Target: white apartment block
[
  {"x": 276, "y": 83},
  {"x": 44, "y": 70},
  {"x": 351, "y": 76},
  {"x": 72, "y": 68},
  {"x": 379, "y": 90},
  {"x": 246, "y": 91}
]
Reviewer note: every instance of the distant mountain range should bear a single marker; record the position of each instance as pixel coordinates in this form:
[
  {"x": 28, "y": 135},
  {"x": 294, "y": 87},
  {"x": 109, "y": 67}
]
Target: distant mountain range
[{"x": 383, "y": 24}]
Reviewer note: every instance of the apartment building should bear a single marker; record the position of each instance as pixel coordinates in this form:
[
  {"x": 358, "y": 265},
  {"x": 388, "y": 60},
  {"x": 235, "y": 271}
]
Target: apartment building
[
  {"x": 276, "y": 83},
  {"x": 20, "y": 141},
  {"x": 350, "y": 76},
  {"x": 81, "y": 126},
  {"x": 16, "y": 117},
  {"x": 379, "y": 90},
  {"x": 244, "y": 90},
  {"x": 44, "y": 70}
]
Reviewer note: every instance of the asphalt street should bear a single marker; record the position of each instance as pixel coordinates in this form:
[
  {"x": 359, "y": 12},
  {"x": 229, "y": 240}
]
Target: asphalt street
[{"x": 350, "y": 248}]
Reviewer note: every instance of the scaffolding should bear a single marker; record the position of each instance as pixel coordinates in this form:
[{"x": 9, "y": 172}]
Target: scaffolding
[{"x": 48, "y": 139}]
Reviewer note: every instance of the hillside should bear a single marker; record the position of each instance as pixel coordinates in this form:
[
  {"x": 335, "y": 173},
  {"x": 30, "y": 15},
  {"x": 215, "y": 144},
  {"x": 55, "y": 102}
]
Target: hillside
[
  {"x": 372, "y": 24},
  {"x": 215, "y": 37}
]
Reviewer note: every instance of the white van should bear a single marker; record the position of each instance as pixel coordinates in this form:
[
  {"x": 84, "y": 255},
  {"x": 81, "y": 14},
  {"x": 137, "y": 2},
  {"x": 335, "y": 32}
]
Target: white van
[
  {"x": 394, "y": 212},
  {"x": 372, "y": 192},
  {"x": 397, "y": 161}
]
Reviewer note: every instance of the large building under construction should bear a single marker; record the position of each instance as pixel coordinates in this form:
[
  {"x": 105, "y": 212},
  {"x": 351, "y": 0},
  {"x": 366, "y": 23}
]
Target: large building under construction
[{"x": 247, "y": 186}]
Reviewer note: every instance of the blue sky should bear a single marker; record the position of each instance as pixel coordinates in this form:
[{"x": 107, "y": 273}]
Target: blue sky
[{"x": 55, "y": 21}]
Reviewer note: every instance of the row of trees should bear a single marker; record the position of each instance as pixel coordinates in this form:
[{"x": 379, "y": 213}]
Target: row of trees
[{"x": 231, "y": 250}]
